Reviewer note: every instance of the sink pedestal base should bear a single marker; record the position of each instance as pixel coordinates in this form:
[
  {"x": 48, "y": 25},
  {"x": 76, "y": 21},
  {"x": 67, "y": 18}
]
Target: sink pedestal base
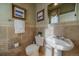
[
  {"x": 48, "y": 50},
  {"x": 57, "y": 52}
]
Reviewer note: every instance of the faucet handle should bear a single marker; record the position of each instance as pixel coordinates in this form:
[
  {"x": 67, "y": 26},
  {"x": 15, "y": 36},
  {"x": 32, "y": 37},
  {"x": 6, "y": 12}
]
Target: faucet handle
[{"x": 56, "y": 36}]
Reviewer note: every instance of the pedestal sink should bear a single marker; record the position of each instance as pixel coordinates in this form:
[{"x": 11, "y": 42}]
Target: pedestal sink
[{"x": 59, "y": 44}]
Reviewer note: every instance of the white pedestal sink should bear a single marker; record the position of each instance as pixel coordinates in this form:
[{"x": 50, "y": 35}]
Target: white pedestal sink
[{"x": 59, "y": 45}]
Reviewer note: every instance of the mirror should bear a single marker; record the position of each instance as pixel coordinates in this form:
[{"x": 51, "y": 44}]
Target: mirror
[{"x": 62, "y": 12}]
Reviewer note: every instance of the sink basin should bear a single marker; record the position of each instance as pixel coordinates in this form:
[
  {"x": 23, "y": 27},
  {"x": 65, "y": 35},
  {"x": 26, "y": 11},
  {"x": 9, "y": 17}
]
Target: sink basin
[{"x": 60, "y": 44}]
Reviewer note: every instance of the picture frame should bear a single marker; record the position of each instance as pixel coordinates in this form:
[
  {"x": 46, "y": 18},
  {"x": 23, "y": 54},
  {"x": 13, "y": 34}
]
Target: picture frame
[
  {"x": 40, "y": 15},
  {"x": 18, "y": 12}
]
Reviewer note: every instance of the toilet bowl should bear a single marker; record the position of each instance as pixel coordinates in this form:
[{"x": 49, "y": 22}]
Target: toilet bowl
[{"x": 33, "y": 49}]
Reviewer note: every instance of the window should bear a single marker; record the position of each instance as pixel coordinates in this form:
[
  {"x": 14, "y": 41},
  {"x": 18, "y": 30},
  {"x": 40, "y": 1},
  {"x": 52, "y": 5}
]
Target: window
[
  {"x": 62, "y": 13},
  {"x": 67, "y": 17},
  {"x": 54, "y": 19}
]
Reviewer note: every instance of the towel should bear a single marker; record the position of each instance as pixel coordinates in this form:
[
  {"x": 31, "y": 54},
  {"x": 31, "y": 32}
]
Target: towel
[
  {"x": 39, "y": 40},
  {"x": 19, "y": 26}
]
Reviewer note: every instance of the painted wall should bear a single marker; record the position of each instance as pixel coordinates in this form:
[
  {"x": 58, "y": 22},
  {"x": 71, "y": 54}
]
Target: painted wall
[
  {"x": 77, "y": 9},
  {"x": 6, "y": 8},
  {"x": 5, "y": 15}
]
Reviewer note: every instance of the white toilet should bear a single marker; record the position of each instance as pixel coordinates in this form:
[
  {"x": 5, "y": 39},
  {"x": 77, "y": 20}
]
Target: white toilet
[{"x": 33, "y": 49}]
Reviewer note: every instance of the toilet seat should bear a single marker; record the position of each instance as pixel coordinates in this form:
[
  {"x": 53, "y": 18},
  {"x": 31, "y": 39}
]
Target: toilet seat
[{"x": 32, "y": 50}]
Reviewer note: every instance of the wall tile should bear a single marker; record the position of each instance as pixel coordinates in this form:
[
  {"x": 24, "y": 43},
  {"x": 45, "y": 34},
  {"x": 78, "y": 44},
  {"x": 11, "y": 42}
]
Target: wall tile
[{"x": 71, "y": 32}]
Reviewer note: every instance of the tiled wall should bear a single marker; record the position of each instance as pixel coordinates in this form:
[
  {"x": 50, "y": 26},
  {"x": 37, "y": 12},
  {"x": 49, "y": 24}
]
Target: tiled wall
[
  {"x": 3, "y": 39},
  {"x": 7, "y": 35},
  {"x": 71, "y": 32},
  {"x": 25, "y": 38},
  {"x": 40, "y": 26},
  {"x": 5, "y": 14}
]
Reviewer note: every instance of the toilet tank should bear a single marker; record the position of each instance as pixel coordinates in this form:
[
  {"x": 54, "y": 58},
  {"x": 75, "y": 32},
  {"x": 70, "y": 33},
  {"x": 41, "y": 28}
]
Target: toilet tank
[{"x": 39, "y": 40}]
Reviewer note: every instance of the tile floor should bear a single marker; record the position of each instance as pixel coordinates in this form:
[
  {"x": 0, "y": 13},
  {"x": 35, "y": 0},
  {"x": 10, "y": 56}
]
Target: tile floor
[{"x": 22, "y": 52}]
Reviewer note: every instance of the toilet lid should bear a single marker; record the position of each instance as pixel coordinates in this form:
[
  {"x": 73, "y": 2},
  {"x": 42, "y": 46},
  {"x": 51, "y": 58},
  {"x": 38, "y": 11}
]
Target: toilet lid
[{"x": 32, "y": 47}]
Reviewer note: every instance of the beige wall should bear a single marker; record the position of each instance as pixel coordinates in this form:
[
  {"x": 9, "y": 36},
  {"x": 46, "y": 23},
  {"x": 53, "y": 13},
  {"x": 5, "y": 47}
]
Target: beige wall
[
  {"x": 40, "y": 26},
  {"x": 7, "y": 35},
  {"x": 5, "y": 15},
  {"x": 77, "y": 10},
  {"x": 69, "y": 30},
  {"x": 6, "y": 8},
  {"x": 27, "y": 37}
]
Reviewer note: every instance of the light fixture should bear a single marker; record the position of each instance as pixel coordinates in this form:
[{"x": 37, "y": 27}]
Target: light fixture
[{"x": 55, "y": 4}]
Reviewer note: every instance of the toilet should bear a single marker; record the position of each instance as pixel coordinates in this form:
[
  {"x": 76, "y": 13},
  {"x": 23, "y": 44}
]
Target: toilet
[{"x": 33, "y": 49}]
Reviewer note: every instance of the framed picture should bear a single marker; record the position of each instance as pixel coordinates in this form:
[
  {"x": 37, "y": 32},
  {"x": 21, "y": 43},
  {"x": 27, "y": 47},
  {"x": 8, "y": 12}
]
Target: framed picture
[
  {"x": 18, "y": 12},
  {"x": 40, "y": 15}
]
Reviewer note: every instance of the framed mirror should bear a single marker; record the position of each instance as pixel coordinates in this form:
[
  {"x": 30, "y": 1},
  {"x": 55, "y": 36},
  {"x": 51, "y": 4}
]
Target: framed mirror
[{"x": 62, "y": 12}]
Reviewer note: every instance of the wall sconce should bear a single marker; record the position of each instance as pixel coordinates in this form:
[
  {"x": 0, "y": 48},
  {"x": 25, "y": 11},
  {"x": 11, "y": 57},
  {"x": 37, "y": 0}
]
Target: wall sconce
[{"x": 55, "y": 4}]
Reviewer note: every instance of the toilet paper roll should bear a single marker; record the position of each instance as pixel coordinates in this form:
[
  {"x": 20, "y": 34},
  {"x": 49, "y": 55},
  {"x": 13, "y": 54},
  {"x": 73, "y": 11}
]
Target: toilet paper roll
[{"x": 16, "y": 45}]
